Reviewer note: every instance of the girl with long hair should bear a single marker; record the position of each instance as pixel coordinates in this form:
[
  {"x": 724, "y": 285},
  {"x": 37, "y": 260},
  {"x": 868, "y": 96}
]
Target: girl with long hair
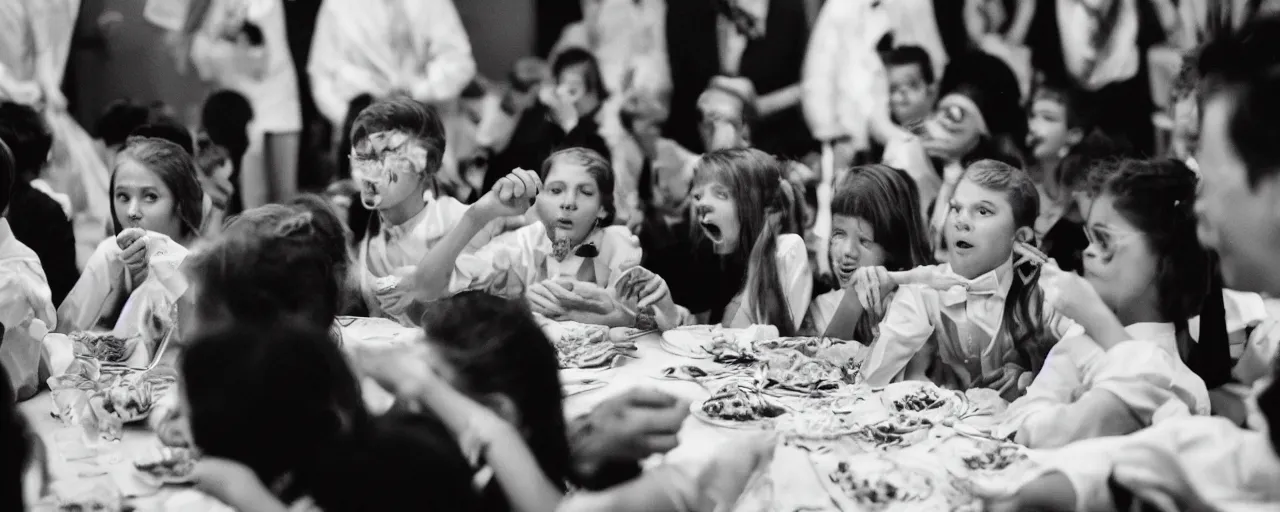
[
  {"x": 993, "y": 330},
  {"x": 1144, "y": 264},
  {"x": 876, "y": 228},
  {"x": 132, "y": 279},
  {"x": 742, "y": 207}
]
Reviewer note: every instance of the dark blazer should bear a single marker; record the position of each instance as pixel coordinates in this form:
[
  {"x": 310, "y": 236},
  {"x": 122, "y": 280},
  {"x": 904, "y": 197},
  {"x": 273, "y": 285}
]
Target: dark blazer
[{"x": 771, "y": 63}]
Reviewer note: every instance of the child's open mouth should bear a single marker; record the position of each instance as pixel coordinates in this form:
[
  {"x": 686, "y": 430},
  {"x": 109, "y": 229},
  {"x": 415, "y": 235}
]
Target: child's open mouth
[
  {"x": 961, "y": 244},
  {"x": 564, "y": 224},
  {"x": 713, "y": 232}
]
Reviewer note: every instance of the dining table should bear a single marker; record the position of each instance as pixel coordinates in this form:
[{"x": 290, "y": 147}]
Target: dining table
[{"x": 76, "y": 464}]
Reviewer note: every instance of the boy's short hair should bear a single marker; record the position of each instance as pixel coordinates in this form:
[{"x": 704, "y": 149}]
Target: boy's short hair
[
  {"x": 28, "y": 138},
  {"x": 407, "y": 115},
  {"x": 1080, "y": 113},
  {"x": 909, "y": 55},
  {"x": 168, "y": 128},
  {"x": 120, "y": 119}
]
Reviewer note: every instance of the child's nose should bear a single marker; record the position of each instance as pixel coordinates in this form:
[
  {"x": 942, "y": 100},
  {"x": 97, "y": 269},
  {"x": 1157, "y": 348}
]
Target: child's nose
[{"x": 702, "y": 209}]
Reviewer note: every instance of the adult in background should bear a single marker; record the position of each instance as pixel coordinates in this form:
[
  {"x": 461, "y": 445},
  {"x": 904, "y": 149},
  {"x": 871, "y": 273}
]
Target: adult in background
[
  {"x": 241, "y": 45},
  {"x": 414, "y": 47}
]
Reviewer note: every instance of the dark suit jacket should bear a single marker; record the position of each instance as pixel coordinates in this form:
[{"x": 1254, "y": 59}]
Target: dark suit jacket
[{"x": 771, "y": 63}]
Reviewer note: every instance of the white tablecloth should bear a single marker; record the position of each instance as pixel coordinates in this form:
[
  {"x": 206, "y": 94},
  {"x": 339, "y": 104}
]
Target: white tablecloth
[{"x": 698, "y": 441}]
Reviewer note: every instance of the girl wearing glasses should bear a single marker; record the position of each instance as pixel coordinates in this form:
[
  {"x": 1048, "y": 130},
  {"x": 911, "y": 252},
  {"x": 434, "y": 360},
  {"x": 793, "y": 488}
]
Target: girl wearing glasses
[
  {"x": 397, "y": 148},
  {"x": 1145, "y": 264}
]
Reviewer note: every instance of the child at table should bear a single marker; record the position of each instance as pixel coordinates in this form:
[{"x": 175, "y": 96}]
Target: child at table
[
  {"x": 26, "y": 311},
  {"x": 1164, "y": 289},
  {"x": 397, "y": 147},
  {"x": 876, "y": 227},
  {"x": 132, "y": 279},
  {"x": 572, "y": 256},
  {"x": 995, "y": 331},
  {"x": 744, "y": 208}
]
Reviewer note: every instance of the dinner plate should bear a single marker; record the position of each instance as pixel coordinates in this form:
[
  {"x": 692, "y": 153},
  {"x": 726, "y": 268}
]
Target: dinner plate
[
  {"x": 947, "y": 404},
  {"x": 693, "y": 341},
  {"x": 695, "y": 409}
]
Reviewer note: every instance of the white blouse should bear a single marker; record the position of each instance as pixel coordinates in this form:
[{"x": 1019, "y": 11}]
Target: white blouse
[
  {"x": 105, "y": 284},
  {"x": 793, "y": 275},
  {"x": 399, "y": 247},
  {"x": 959, "y": 334},
  {"x": 511, "y": 263},
  {"x": 1205, "y": 462},
  {"x": 26, "y": 312},
  {"x": 265, "y": 76}
]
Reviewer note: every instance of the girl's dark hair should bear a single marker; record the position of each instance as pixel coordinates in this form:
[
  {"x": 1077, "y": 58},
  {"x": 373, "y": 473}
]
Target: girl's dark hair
[
  {"x": 282, "y": 400},
  {"x": 496, "y": 347},
  {"x": 1158, "y": 197},
  {"x": 599, "y": 169},
  {"x": 1023, "y": 305},
  {"x": 329, "y": 230},
  {"x": 269, "y": 263},
  {"x": 887, "y": 199},
  {"x": 176, "y": 168},
  {"x": 764, "y": 201}
]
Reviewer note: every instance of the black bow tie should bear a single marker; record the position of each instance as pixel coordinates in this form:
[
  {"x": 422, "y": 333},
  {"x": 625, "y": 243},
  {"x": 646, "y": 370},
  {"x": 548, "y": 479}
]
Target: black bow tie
[{"x": 587, "y": 250}]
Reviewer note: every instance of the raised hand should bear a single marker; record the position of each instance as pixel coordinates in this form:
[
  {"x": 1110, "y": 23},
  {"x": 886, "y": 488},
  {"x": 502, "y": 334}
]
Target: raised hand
[
  {"x": 510, "y": 196},
  {"x": 643, "y": 286},
  {"x": 928, "y": 276},
  {"x": 871, "y": 284},
  {"x": 133, "y": 246}
]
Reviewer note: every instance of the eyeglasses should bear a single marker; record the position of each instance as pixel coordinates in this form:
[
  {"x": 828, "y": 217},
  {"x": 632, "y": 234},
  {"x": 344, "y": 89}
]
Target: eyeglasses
[{"x": 1107, "y": 238}]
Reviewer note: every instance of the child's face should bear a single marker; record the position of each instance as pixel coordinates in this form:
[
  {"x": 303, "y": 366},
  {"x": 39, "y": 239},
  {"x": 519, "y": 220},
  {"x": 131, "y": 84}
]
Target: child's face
[
  {"x": 569, "y": 204},
  {"x": 1119, "y": 262},
  {"x": 142, "y": 200},
  {"x": 1048, "y": 135},
  {"x": 389, "y": 167},
  {"x": 852, "y": 246},
  {"x": 910, "y": 97},
  {"x": 671, "y": 188},
  {"x": 980, "y": 229},
  {"x": 571, "y": 85},
  {"x": 716, "y": 212}
]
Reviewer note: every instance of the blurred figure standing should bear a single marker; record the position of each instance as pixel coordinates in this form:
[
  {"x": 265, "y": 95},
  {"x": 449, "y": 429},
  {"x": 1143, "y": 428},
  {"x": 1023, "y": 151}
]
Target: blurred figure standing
[{"x": 241, "y": 45}]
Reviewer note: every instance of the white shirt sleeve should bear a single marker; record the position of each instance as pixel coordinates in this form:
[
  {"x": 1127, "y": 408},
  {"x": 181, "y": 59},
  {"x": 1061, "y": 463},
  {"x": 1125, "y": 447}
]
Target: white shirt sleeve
[
  {"x": 99, "y": 289},
  {"x": 903, "y": 332},
  {"x": 794, "y": 274},
  {"x": 1205, "y": 461},
  {"x": 450, "y": 66}
]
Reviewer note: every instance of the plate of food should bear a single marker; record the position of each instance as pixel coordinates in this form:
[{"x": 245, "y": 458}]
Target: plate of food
[
  {"x": 924, "y": 398},
  {"x": 581, "y": 345},
  {"x": 873, "y": 482},
  {"x": 738, "y": 406},
  {"x": 986, "y": 463},
  {"x": 695, "y": 341},
  {"x": 167, "y": 466},
  {"x": 106, "y": 347},
  {"x": 791, "y": 371}
]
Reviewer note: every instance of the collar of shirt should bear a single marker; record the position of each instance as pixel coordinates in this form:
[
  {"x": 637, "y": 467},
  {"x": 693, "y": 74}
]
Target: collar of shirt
[
  {"x": 571, "y": 264},
  {"x": 993, "y": 285},
  {"x": 428, "y": 223}
]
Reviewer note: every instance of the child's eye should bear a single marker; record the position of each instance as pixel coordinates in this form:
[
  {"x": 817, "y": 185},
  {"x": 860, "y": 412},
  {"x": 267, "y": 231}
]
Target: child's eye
[
  {"x": 720, "y": 194},
  {"x": 984, "y": 211},
  {"x": 866, "y": 242},
  {"x": 837, "y": 235},
  {"x": 122, "y": 197},
  {"x": 151, "y": 198}
]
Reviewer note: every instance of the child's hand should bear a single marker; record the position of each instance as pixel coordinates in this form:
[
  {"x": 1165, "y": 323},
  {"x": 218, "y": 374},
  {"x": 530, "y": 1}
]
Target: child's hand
[
  {"x": 628, "y": 428},
  {"x": 226, "y": 480},
  {"x": 393, "y": 298},
  {"x": 512, "y": 195},
  {"x": 400, "y": 369},
  {"x": 133, "y": 244},
  {"x": 871, "y": 284},
  {"x": 544, "y": 298},
  {"x": 643, "y": 286},
  {"x": 928, "y": 276},
  {"x": 1071, "y": 295}
]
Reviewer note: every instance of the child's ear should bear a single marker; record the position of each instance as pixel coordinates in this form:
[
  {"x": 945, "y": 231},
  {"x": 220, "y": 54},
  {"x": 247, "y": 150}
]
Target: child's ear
[{"x": 1025, "y": 234}]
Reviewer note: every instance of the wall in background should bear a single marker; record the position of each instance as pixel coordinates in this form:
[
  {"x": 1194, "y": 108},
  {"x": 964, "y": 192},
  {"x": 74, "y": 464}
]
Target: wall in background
[{"x": 501, "y": 32}]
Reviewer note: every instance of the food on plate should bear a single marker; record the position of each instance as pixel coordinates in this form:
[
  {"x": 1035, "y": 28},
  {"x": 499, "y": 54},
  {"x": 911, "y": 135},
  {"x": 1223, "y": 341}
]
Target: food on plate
[
  {"x": 924, "y": 398},
  {"x": 127, "y": 401},
  {"x": 793, "y": 370},
  {"x": 986, "y": 464},
  {"x": 899, "y": 430},
  {"x": 685, "y": 372},
  {"x": 735, "y": 402},
  {"x": 883, "y": 485},
  {"x": 998, "y": 458},
  {"x": 106, "y": 347},
  {"x": 586, "y": 346},
  {"x": 169, "y": 465},
  {"x": 809, "y": 346}
]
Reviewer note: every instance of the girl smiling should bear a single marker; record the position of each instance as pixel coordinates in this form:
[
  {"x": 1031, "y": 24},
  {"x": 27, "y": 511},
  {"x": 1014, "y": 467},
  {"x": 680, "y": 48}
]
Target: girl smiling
[
  {"x": 157, "y": 207},
  {"x": 992, "y": 333}
]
